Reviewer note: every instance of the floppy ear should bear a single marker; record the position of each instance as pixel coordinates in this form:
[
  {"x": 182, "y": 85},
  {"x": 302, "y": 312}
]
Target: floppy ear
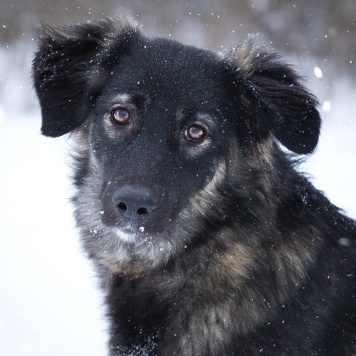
[
  {"x": 278, "y": 99},
  {"x": 71, "y": 66}
]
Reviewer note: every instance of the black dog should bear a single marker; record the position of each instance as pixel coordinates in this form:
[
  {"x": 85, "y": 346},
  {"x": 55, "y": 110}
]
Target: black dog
[{"x": 206, "y": 239}]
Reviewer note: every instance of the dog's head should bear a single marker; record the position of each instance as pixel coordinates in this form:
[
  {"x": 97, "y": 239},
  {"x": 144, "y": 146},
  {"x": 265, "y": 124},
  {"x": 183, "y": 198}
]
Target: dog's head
[{"x": 162, "y": 129}]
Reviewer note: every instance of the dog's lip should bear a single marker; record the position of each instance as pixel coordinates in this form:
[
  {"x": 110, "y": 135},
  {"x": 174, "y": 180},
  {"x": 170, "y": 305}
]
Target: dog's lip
[
  {"x": 131, "y": 230},
  {"x": 126, "y": 234}
]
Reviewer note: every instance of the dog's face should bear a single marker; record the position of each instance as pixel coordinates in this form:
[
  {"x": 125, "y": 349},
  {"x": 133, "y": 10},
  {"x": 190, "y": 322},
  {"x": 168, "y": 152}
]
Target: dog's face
[
  {"x": 157, "y": 135},
  {"x": 163, "y": 131}
]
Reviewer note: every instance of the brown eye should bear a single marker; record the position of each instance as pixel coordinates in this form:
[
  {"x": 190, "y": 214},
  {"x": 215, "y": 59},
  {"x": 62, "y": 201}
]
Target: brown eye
[
  {"x": 121, "y": 116},
  {"x": 195, "y": 133}
]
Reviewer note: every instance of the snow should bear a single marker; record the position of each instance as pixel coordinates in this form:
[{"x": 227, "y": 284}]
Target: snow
[
  {"x": 326, "y": 106},
  {"x": 49, "y": 300},
  {"x": 318, "y": 72},
  {"x": 333, "y": 166}
]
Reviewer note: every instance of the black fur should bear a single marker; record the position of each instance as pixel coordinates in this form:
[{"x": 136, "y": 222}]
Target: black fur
[{"x": 228, "y": 250}]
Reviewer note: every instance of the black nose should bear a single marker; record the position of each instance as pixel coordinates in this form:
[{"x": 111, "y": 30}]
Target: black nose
[{"x": 134, "y": 203}]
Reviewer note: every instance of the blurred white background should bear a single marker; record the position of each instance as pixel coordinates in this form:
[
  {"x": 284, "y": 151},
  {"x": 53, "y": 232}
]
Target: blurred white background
[{"x": 49, "y": 300}]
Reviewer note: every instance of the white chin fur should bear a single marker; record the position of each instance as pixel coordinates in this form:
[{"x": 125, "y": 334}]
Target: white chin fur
[{"x": 126, "y": 236}]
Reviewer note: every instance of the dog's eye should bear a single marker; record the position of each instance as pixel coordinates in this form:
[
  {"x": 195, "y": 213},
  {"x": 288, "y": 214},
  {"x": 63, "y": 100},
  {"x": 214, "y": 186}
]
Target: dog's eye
[
  {"x": 195, "y": 133},
  {"x": 121, "y": 116}
]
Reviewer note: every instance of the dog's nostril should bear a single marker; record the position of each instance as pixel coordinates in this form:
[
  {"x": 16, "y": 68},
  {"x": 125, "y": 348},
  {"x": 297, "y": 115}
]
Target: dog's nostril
[
  {"x": 122, "y": 206},
  {"x": 142, "y": 211}
]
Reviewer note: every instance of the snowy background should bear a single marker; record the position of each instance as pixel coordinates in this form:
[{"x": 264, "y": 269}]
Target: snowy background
[{"x": 49, "y": 300}]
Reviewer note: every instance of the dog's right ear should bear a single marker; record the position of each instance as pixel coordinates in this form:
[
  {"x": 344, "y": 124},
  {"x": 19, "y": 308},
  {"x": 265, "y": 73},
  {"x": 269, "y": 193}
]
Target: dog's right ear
[{"x": 71, "y": 66}]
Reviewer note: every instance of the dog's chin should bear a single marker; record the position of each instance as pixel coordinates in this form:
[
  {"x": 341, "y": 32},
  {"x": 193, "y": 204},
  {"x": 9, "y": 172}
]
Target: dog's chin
[
  {"x": 128, "y": 235},
  {"x": 132, "y": 234},
  {"x": 135, "y": 252}
]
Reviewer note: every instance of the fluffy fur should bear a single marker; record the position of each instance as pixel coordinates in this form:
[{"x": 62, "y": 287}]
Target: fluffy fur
[{"x": 228, "y": 250}]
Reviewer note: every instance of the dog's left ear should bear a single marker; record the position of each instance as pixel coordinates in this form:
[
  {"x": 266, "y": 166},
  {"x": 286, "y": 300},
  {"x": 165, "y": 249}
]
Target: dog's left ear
[
  {"x": 278, "y": 99},
  {"x": 71, "y": 66}
]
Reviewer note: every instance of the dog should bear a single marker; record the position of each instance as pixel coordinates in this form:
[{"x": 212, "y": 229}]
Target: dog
[{"x": 206, "y": 238}]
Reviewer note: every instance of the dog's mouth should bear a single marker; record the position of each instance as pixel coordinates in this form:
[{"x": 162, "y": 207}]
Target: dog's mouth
[
  {"x": 129, "y": 233},
  {"x": 130, "y": 229}
]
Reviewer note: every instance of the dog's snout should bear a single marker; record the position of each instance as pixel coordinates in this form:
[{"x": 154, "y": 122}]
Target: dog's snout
[{"x": 134, "y": 203}]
